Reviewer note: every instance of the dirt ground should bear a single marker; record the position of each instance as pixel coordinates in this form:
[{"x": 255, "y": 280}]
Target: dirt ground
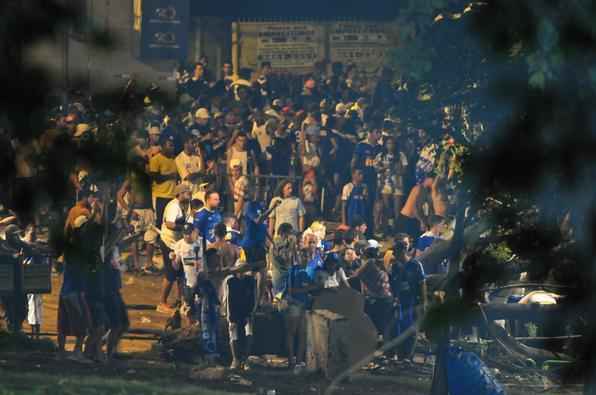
[{"x": 141, "y": 371}]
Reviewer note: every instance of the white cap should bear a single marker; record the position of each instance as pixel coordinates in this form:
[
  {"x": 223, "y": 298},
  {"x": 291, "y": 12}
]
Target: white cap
[
  {"x": 202, "y": 113},
  {"x": 373, "y": 244}
]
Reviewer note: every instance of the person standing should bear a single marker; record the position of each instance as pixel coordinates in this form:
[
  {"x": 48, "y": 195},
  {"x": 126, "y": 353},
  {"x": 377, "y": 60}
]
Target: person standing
[
  {"x": 377, "y": 288},
  {"x": 174, "y": 218},
  {"x": 365, "y": 155},
  {"x": 286, "y": 208},
  {"x": 208, "y": 217},
  {"x": 188, "y": 253},
  {"x": 355, "y": 199},
  {"x": 134, "y": 198},
  {"x": 255, "y": 238},
  {"x": 190, "y": 165},
  {"x": 220, "y": 257},
  {"x": 409, "y": 288},
  {"x": 240, "y": 302},
  {"x": 162, "y": 168}
]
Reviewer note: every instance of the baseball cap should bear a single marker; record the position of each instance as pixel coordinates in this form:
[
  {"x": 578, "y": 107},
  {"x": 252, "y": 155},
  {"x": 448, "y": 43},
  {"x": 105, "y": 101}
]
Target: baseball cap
[
  {"x": 202, "y": 113},
  {"x": 373, "y": 244},
  {"x": 181, "y": 188},
  {"x": 235, "y": 163},
  {"x": 276, "y": 103},
  {"x": 187, "y": 228}
]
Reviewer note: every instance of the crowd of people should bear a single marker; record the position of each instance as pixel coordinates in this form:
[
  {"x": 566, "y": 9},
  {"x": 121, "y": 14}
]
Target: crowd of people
[{"x": 235, "y": 187}]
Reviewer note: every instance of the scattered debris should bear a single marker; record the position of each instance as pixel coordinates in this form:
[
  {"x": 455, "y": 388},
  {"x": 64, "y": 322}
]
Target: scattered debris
[{"x": 208, "y": 374}]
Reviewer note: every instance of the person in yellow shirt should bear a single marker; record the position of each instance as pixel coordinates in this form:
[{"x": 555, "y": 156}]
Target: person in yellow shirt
[
  {"x": 190, "y": 165},
  {"x": 163, "y": 171}
]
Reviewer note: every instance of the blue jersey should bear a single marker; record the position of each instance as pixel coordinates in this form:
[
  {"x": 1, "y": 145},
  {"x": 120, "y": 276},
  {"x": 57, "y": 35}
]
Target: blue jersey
[
  {"x": 425, "y": 241},
  {"x": 365, "y": 155},
  {"x": 299, "y": 278},
  {"x": 254, "y": 234},
  {"x": 205, "y": 221},
  {"x": 314, "y": 265},
  {"x": 406, "y": 282},
  {"x": 357, "y": 204}
]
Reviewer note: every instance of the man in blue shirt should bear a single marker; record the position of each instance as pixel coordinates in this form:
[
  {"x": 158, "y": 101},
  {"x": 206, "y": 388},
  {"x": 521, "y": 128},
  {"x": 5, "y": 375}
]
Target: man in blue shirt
[
  {"x": 365, "y": 155},
  {"x": 408, "y": 284},
  {"x": 255, "y": 238},
  {"x": 428, "y": 238},
  {"x": 208, "y": 216}
]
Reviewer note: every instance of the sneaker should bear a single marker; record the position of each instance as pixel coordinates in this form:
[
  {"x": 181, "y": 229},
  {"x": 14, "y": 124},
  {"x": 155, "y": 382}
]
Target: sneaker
[
  {"x": 235, "y": 365},
  {"x": 164, "y": 309}
]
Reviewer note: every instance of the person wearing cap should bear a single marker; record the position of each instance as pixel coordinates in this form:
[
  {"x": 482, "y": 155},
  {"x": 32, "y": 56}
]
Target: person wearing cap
[
  {"x": 174, "y": 217},
  {"x": 239, "y": 302},
  {"x": 377, "y": 288},
  {"x": 188, "y": 254},
  {"x": 190, "y": 164},
  {"x": 163, "y": 171}
]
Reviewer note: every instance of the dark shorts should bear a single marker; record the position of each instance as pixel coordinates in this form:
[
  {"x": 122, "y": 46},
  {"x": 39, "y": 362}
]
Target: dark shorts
[
  {"x": 256, "y": 257},
  {"x": 116, "y": 312},
  {"x": 169, "y": 272},
  {"x": 160, "y": 206},
  {"x": 73, "y": 315}
]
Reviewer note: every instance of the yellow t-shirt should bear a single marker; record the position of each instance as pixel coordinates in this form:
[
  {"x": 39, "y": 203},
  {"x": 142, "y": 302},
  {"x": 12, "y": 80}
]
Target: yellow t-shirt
[{"x": 164, "y": 166}]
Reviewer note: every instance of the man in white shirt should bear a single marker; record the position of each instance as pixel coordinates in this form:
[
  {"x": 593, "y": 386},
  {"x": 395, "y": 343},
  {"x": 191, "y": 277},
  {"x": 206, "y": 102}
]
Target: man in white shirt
[
  {"x": 190, "y": 165},
  {"x": 174, "y": 217},
  {"x": 189, "y": 255}
]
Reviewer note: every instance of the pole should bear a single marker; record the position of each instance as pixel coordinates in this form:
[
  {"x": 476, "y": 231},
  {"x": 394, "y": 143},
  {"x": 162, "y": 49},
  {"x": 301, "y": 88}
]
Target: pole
[{"x": 235, "y": 51}]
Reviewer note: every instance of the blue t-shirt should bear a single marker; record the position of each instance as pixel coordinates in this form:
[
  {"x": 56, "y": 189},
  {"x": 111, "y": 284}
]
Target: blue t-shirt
[
  {"x": 254, "y": 234},
  {"x": 406, "y": 281},
  {"x": 298, "y": 278},
  {"x": 425, "y": 241},
  {"x": 205, "y": 221},
  {"x": 365, "y": 155},
  {"x": 315, "y": 264}
]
